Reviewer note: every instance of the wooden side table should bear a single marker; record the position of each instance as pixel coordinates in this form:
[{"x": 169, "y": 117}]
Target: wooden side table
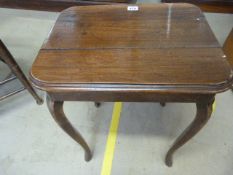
[{"x": 145, "y": 53}]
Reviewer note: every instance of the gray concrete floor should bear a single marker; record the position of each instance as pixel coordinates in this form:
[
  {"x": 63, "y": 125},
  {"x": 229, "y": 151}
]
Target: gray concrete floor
[{"x": 32, "y": 144}]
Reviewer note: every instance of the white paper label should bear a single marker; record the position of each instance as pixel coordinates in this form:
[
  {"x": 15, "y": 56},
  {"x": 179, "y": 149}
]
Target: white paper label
[{"x": 132, "y": 8}]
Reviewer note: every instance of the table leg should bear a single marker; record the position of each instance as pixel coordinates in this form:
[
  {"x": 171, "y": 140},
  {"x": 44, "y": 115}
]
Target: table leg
[
  {"x": 204, "y": 110},
  {"x": 56, "y": 109},
  {"x": 7, "y": 58}
]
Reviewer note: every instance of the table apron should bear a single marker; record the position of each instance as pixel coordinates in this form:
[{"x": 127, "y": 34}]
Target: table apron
[{"x": 110, "y": 96}]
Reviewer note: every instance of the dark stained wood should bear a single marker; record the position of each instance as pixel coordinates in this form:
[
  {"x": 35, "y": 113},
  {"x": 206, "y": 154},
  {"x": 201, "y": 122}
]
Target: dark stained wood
[
  {"x": 7, "y": 58},
  {"x": 228, "y": 47},
  {"x": 126, "y": 95},
  {"x": 55, "y": 5},
  {"x": 119, "y": 28},
  {"x": 160, "y": 53},
  {"x": 204, "y": 110},
  {"x": 56, "y": 110},
  {"x": 165, "y": 50},
  {"x": 121, "y": 66},
  {"x": 214, "y": 6}
]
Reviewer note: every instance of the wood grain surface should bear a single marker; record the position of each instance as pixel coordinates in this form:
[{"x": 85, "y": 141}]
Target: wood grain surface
[
  {"x": 162, "y": 45},
  {"x": 228, "y": 47}
]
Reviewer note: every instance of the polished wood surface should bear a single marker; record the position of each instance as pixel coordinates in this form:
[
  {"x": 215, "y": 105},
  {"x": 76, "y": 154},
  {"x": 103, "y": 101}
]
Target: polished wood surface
[
  {"x": 55, "y": 5},
  {"x": 228, "y": 48},
  {"x": 214, "y": 6},
  {"x": 117, "y": 66},
  {"x": 160, "y": 26},
  {"x": 166, "y": 50},
  {"x": 160, "y": 53}
]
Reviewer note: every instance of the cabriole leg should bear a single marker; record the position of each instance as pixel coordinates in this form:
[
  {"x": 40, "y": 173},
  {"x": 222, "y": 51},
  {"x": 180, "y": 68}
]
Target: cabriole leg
[
  {"x": 56, "y": 110},
  {"x": 204, "y": 110}
]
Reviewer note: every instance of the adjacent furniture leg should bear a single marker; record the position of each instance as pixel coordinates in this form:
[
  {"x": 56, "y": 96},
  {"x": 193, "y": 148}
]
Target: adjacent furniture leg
[
  {"x": 56, "y": 109},
  {"x": 204, "y": 110},
  {"x": 9, "y": 60}
]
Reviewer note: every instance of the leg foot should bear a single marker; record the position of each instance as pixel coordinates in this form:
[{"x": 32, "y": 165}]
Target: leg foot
[
  {"x": 56, "y": 109},
  {"x": 97, "y": 104},
  {"x": 39, "y": 101},
  {"x": 204, "y": 110},
  {"x": 168, "y": 159},
  {"x": 162, "y": 104},
  {"x": 88, "y": 156}
]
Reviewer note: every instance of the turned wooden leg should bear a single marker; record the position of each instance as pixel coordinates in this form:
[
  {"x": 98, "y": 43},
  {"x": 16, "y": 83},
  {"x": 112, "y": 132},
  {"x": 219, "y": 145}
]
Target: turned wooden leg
[
  {"x": 7, "y": 58},
  {"x": 97, "y": 104},
  {"x": 204, "y": 110},
  {"x": 56, "y": 109}
]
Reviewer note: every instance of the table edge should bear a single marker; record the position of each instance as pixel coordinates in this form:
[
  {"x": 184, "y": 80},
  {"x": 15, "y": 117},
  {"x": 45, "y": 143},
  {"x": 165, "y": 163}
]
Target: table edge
[{"x": 159, "y": 88}]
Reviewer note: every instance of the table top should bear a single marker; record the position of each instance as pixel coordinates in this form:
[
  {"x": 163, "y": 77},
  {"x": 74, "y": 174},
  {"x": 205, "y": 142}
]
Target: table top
[{"x": 155, "y": 46}]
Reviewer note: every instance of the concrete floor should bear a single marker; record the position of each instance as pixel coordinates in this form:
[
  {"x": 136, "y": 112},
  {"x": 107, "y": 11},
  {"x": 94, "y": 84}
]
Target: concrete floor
[{"x": 31, "y": 143}]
